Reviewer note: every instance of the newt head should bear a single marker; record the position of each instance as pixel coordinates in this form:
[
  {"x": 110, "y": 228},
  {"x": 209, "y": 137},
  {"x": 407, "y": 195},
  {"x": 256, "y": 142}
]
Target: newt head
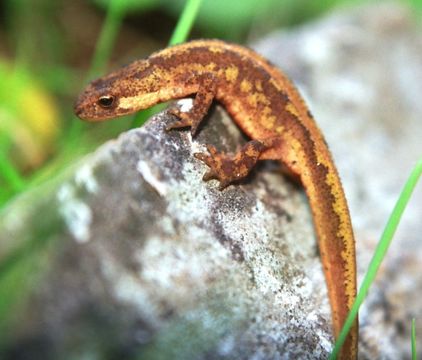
[{"x": 124, "y": 91}]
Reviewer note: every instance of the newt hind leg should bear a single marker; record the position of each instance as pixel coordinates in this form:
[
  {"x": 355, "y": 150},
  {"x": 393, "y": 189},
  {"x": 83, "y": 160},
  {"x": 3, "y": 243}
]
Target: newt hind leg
[{"x": 226, "y": 168}]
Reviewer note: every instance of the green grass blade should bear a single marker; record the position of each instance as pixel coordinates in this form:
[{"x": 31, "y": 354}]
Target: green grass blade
[
  {"x": 115, "y": 13},
  {"x": 10, "y": 174},
  {"x": 106, "y": 40},
  {"x": 185, "y": 23},
  {"x": 413, "y": 340},
  {"x": 8, "y": 171},
  {"x": 379, "y": 254},
  {"x": 180, "y": 34}
]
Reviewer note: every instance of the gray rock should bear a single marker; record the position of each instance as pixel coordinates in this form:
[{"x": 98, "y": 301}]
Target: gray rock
[
  {"x": 155, "y": 263},
  {"x": 131, "y": 255}
]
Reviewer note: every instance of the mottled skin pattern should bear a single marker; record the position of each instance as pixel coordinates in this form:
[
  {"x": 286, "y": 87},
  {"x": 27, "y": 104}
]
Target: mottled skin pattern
[{"x": 268, "y": 108}]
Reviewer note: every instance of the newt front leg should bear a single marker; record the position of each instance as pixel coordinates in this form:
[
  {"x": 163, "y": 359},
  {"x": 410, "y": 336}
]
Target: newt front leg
[{"x": 201, "y": 104}]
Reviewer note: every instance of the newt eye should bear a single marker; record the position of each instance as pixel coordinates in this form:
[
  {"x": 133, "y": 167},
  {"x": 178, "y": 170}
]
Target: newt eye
[{"x": 106, "y": 101}]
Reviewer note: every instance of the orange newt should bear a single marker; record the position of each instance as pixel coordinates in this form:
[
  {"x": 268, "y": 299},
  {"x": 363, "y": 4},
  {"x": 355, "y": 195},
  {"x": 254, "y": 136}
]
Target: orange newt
[{"x": 269, "y": 110}]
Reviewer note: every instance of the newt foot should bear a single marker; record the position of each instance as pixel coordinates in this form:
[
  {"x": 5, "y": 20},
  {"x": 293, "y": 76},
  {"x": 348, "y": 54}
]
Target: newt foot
[
  {"x": 226, "y": 168},
  {"x": 185, "y": 119}
]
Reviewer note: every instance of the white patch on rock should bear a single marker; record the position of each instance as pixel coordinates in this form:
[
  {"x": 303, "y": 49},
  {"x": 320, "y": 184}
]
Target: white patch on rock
[
  {"x": 198, "y": 147},
  {"x": 185, "y": 104},
  {"x": 86, "y": 178},
  {"x": 188, "y": 209},
  {"x": 227, "y": 345},
  {"x": 128, "y": 289},
  {"x": 351, "y": 90},
  {"x": 167, "y": 263},
  {"x": 77, "y": 215},
  {"x": 316, "y": 49},
  {"x": 149, "y": 177},
  {"x": 324, "y": 342}
]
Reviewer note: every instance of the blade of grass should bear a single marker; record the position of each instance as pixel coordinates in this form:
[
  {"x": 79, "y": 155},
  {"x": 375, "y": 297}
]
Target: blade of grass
[
  {"x": 379, "y": 254},
  {"x": 185, "y": 23},
  {"x": 180, "y": 34},
  {"x": 115, "y": 13},
  {"x": 11, "y": 175},
  {"x": 413, "y": 340},
  {"x": 8, "y": 171}
]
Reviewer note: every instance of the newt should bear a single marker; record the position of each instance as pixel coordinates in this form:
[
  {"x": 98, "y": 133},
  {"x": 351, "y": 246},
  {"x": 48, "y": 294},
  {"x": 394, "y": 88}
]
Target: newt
[{"x": 266, "y": 106}]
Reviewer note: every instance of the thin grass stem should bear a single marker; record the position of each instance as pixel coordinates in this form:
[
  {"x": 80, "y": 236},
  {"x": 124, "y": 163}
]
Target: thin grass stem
[
  {"x": 413, "y": 340},
  {"x": 186, "y": 21},
  {"x": 115, "y": 14},
  {"x": 8, "y": 171},
  {"x": 379, "y": 254}
]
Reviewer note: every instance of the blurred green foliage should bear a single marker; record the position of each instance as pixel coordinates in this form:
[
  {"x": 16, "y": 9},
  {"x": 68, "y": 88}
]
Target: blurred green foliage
[{"x": 131, "y": 5}]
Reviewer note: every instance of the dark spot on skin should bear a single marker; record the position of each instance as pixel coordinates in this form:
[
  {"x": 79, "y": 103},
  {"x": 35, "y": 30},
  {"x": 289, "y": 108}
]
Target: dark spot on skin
[
  {"x": 286, "y": 97},
  {"x": 144, "y": 73},
  {"x": 249, "y": 161},
  {"x": 228, "y": 170},
  {"x": 103, "y": 83}
]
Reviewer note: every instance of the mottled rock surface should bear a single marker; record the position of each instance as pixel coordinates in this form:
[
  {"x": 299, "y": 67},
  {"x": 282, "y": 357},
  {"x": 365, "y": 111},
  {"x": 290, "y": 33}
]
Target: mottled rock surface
[
  {"x": 153, "y": 262},
  {"x": 138, "y": 258}
]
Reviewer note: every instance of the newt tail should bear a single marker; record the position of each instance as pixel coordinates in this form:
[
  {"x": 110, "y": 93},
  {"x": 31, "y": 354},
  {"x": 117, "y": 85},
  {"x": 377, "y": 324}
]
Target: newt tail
[{"x": 269, "y": 110}]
